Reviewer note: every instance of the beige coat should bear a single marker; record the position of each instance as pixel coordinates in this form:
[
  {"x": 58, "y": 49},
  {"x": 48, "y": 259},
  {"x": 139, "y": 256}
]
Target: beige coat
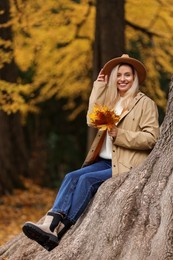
[{"x": 138, "y": 130}]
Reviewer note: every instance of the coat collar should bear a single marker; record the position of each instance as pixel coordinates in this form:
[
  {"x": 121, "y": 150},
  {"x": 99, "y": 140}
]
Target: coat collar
[{"x": 132, "y": 104}]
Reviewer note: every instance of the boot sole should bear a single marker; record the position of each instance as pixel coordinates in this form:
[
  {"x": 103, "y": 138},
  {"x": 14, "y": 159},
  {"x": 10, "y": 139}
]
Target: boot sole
[{"x": 46, "y": 240}]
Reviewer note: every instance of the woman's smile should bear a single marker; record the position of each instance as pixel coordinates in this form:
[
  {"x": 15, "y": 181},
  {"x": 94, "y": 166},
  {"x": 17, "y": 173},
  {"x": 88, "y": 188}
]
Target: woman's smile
[{"x": 125, "y": 78}]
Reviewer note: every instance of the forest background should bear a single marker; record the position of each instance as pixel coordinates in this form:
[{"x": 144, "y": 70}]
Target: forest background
[{"x": 46, "y": 75}]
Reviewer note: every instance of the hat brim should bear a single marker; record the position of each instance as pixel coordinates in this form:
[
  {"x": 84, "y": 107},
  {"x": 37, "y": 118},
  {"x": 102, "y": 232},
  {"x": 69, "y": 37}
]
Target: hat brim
[{"x": 138, "y": 66}]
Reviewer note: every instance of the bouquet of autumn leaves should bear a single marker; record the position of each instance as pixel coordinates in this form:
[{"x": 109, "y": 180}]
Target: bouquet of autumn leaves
[{"x": 103, "y": 118}]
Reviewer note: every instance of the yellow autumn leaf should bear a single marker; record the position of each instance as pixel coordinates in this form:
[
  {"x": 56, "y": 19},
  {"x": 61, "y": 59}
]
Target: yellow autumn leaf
[{"x": 103, "y": 118}]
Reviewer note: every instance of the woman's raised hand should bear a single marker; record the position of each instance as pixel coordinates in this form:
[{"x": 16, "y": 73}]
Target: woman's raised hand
[{"x": 102, "y": 77}]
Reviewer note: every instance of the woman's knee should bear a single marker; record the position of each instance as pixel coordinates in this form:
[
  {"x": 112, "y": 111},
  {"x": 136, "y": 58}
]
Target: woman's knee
[
  {"x": 85, "y": 179},
  {"x": 69, "y": 176},
  {"x": 72, "y": 175},
  {"x": 88, "y": 183}
]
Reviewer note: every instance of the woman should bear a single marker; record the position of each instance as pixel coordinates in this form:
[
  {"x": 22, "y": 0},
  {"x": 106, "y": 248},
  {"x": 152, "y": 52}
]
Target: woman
[{"x": 113, "y": 152}]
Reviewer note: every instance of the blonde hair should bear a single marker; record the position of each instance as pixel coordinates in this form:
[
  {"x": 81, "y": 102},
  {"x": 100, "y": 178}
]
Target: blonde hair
[{"x": 112, "y": 95}]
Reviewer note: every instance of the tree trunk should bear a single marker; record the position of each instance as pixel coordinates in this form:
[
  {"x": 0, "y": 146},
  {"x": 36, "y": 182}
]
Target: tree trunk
[
  {"x": 130, "y": 217},
  {"x": 109, "y": 33},
  {"x": 109, "y": 38},
  {"x": 13, "y": 155}
]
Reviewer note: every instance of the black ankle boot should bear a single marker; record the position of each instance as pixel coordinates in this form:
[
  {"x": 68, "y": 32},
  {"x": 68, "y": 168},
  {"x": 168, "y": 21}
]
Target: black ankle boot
[
  {"x": 66, "y": 226},
  {"x": 45, "y": 234}
]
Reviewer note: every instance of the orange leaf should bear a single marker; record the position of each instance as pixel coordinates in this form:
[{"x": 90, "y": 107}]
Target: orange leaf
[{"x": 103, "y": 118}]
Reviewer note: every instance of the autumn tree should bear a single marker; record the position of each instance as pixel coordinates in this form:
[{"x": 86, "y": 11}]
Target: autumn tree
[
  {"x": 13, "y": 155},
  {"x": 62, "y": 33}
]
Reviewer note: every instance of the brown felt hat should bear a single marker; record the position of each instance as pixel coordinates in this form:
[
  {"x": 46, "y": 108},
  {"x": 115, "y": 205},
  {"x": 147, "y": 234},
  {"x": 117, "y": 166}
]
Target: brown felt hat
[{"x": 138, "y": 66}]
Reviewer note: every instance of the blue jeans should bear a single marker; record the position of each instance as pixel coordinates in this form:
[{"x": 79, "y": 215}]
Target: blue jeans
[{"x": 78, "y": 187}]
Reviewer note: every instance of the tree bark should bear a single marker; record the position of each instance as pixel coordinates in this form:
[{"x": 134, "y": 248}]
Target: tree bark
[
  {"x": 130, "y": 217},
  {"x": 109, "y": 38},
  {"x": 13, "y": 153}
]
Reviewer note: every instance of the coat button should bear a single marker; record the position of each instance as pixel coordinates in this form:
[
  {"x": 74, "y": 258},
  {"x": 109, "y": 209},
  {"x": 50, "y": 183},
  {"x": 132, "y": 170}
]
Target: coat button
[{"x": 114, "y": 165}]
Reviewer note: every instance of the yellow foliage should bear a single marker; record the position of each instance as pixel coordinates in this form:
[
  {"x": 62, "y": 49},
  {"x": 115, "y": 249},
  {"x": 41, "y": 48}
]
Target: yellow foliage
[
  {"x": 12, "y": 98},
  {"x": 54, "y": 39},
  {"x": 140, "y": 12},
  {"x": 153, "y": 41}
]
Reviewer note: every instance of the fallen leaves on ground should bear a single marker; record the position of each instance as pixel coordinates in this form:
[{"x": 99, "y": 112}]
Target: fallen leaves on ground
[{"x": 23, "y": 205}]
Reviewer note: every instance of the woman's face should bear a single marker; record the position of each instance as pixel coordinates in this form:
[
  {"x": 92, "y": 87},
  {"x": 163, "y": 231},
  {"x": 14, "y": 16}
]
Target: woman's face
[{"x": 125, "y": 78}]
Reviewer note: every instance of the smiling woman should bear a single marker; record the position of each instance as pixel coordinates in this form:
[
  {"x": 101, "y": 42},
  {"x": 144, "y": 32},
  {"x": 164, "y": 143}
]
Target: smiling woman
[{"x": 115, "y": 150}]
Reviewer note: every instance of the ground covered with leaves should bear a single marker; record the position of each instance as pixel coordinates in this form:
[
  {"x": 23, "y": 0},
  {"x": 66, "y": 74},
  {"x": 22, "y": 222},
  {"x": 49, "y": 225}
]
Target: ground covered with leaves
[{"x": 23, "y": 205}]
